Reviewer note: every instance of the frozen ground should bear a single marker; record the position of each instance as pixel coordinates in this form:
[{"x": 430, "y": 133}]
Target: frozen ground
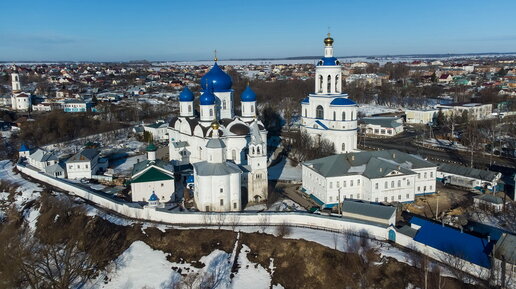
[
  {"x": 124, "y": 166},
  {"x": 284, "y": 171},
  {"x": 27, "y": 191}
]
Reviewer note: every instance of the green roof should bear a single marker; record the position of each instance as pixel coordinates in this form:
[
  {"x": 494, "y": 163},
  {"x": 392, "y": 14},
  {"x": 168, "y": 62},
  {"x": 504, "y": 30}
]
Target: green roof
[
  {"x": 151, "y": 175},
  {"x": 151, "y": 147}
]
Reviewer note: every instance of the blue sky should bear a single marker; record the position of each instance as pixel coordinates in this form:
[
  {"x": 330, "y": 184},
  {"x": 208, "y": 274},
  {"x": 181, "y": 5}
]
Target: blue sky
[{"x": 112, "y": 30}]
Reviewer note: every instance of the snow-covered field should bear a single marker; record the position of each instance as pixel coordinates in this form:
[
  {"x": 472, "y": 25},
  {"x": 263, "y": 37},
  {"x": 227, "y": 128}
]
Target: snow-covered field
[
  {"x": 285, "y": 171},
  {"x": 27, "y": 191}
]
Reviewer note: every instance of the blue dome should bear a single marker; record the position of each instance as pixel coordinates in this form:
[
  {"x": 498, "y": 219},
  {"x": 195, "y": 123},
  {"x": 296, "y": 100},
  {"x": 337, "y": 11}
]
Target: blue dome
[
  {"x": 24, "y": 148},
  {"x": 248, "y": 95},
  {"x": 207, "y": 98},
  {"x": 342, "y": 101},
  {"x": 216, "y": 80},
  {"x": 186, "y": 95},
  {"x": 153, "y": 197},
  {"x": 328, "y": 61}
]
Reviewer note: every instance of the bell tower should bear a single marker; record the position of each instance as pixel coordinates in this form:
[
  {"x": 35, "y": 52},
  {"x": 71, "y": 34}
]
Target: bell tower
[{"x": 328, "y": 73}]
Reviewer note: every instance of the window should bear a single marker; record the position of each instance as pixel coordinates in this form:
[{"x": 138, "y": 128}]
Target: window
[
  {"x": 162, "y": 184},
  {"x": 320, "y": 83},
  {"x": 430, "y": 188},
  {"x": 408, "y": 196},
  {"x": 252, "y": 108},
  {"x": 343, "y": 115},
  {"x": 351, "y": 115},
  {"x": 334, "y": 116},
  {"x": 331, "y": 185},
  {"x": 392, "y": 184},
  {"x": 344, "y": 184},
  {"x": 408, "y": 182},
  {"x": 424, "y": 189},
  {"x": 233, "y": 154},
  {"x": 234, "y": 205},
  {"x": 331, "y": 199},
  {"x": 221, "y": 202},
  {"x": 399, "y": 183},
  {"x": 319, "y": 112},
  {"x": 399, "y": 197},
  {"x": 306, "y": 112},
  {"x": 221, "y": 190},
  {"x": 351, "y": 183},
  {"x": 419, "y": 189},
  {"x": 376, "y": 200},
  {"x": 376, "y": 186},
  {"x": 392, "y": 198},
  {"x": 329, "y": 84},
  {"x": 386, "y": 185},
  {"x": 358, "y": 182},
  {"x": 343, "y": 147},
  {"x": 211, "y": 112},
  {"x": 419, "y": 175},
  {"x": 431, "y": 174},
  {"x": 351, "y": 196},
  {"x": 338, "y": 184},
  {"x": 385, "y": 199},
  {"x": 189, "y": 108},
  {"x": 224, "y": 104},
  {"x": 424, "y": 176},
  {"x": 358, "y": 196}
]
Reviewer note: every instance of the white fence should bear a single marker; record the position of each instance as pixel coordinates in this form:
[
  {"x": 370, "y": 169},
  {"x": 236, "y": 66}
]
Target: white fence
[{"x": 328, "y": 223}]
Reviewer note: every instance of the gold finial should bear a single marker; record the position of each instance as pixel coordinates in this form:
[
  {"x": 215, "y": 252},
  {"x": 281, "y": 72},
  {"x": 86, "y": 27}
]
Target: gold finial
[
  {"x": 215, "y": 53},
  {"x": 215, "y": 125}
]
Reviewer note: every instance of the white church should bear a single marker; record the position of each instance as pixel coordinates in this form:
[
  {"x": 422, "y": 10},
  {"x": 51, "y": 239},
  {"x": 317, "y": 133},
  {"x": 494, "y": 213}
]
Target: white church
[
  {"x": 328, "y": 113},
  {"x": 228, "y": 151},
  {"x": 378, "y": 176},
  {"x": 20, "y": 101}
]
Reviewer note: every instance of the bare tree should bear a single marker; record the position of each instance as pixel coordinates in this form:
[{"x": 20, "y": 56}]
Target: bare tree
[
  {"x": 347, "y": 235},
  {"x": 220, "y": 219},
  {"x": 283, "y": 229},
  {"x": 207, "y": 218},
  {"x": 234, "y": 221},
  {"x": 263, "y": 222}
]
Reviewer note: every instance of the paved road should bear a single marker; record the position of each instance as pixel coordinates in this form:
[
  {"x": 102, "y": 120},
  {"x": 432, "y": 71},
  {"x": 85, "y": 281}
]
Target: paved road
[{"x": 405, "y": 143}]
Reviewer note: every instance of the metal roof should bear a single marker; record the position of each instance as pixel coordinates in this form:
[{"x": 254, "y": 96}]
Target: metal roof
[
  {"x": 468, "y": 172},
  {"x": 370, "y": 210},
  {"x": 372, "y": 164},
  {"x": 216, "y": 169}
]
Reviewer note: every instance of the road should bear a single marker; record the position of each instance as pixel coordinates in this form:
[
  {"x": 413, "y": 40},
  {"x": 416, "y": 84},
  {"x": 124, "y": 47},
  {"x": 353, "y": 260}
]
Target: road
[{"x": 405, "y": 143}]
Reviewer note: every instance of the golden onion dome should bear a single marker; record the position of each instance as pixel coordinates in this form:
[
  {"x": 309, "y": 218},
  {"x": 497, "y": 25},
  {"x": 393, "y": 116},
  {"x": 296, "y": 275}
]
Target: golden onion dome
[
  {"x": 215, "y": 125},
  {"x": 328, "y": 41}
]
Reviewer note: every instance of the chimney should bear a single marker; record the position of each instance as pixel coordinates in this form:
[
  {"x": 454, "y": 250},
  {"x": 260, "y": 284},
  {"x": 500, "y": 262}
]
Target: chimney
[
  {"x": 352, "y": 157},
  {"x": 381, "y": 170},
  {"x": 393, "y": 155}
]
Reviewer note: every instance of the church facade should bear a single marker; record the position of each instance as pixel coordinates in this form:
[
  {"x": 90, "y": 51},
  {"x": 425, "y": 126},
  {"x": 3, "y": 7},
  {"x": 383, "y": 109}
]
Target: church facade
[
  {"x": 243, "y": 136},
  {"x": 328, "y": 113}
]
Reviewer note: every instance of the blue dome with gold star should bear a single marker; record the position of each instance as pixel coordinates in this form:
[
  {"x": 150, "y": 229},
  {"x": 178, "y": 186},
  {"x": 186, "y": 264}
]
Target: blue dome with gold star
[{"x": 216, "y": 80}]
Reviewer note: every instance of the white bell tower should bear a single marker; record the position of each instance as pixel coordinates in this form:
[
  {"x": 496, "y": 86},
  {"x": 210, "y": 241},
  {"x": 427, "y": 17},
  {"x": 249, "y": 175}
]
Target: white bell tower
[
  {"x": 15, "y": 82},
  {"x": 328, "y": 73}
]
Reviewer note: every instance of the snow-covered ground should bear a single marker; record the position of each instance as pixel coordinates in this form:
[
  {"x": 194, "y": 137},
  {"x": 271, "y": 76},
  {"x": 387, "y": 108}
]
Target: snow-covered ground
[
  {"x": 284, "y": 171},
  {"x": 28, "y": 191},
  {"x": 370, "y": 109},
  {"x": 124, "y": 166},
  {"x": 140, "y": 266},
  {"x": 442, "y": 143}
]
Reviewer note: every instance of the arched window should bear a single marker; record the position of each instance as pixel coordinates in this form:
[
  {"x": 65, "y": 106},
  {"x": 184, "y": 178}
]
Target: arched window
[
  {"x": 306, "y": 114},
  {"x": 329, "y": 84},
  {"x": 252, "y": 108},
  {"x": 233, "y": 154},
  {"x": 320, "y": 83},
  {"x": 211, "y": 112},
  {"x": 319, "y": 112},
  {"x": 243, "y": 108},
  {"x": 224, "y": 104},
  {"x": 252, "y": 150},
  {"x": 343, "y": 147},
  {"x": 334, "y": 116},
  {"x": 343, "y": 115},
  {"x": 336, "y": 82},
  {"x": 351, "y": 115},
  {"x": 189, "y": 108},
  {"x": 258, "y": 150}
]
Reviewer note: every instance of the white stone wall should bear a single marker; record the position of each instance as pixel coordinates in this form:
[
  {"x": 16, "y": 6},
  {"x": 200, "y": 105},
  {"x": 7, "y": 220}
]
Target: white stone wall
[
  {"x": 218, "y": 193},
  {"x": 141, "y": 192}
]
